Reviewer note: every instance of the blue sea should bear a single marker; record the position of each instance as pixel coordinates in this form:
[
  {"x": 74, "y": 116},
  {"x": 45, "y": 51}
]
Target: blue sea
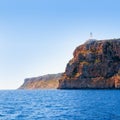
[{"x": 60, "y": 105}]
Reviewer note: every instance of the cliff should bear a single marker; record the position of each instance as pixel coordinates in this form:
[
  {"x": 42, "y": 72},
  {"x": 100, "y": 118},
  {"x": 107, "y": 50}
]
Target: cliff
[
  {"x": 49, "y": 81},
  {"x": 95, "y": 64}
]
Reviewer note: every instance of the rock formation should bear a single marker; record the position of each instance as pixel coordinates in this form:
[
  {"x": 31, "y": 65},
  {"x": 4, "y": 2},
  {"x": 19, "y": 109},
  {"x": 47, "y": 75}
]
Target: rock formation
[
  {"x": 95, "y": 64},
  {"x": 49, "y": 81}
]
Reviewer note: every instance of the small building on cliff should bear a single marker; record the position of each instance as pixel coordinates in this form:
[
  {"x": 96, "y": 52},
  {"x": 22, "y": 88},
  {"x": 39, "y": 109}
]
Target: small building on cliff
[{"x": 91, "y": 39}]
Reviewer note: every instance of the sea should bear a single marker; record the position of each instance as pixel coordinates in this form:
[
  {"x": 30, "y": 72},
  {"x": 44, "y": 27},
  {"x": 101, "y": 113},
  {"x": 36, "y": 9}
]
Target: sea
[{"x": 60, "y": 105}]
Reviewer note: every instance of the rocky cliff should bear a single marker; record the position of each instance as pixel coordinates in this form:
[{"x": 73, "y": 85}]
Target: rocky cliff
[
  {"x": 95, "y": 64},
  {"x": 49, "y": 81}
]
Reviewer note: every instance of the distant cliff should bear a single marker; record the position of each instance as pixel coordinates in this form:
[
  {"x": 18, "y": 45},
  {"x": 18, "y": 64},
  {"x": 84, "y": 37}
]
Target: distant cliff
[
  {"x": 95, "y": 64},
  {"x": 49, "y": 81}
]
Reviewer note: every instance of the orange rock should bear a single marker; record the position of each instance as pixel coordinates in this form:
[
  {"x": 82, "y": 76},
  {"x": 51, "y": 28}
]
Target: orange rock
[{"x": 94, "y": 64}]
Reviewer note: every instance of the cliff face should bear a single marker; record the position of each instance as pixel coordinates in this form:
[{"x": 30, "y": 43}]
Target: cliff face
[
  {"x": 49, "y": 81},
  {"x": 96, "y": 64}
]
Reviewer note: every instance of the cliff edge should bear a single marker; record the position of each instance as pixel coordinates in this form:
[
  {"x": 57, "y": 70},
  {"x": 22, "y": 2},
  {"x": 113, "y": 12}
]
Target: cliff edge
[
  {"x": 49, "y": 81},
  {"x": 95, "y": 64}
]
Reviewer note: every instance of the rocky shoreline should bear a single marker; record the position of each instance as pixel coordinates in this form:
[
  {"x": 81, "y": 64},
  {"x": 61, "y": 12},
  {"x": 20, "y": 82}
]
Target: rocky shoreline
[{"x": 95, "y": 65}]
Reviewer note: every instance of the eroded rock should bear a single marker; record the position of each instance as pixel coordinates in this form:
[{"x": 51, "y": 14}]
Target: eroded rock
[{"x": 94, "y": 65}]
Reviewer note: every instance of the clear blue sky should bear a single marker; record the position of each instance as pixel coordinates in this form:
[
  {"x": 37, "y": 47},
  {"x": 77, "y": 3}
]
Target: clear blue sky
[{"x": 39, "y": 36}]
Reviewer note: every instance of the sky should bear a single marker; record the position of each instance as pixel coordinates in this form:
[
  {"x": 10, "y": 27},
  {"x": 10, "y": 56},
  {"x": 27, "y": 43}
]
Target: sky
[{"x": 38, "y": 37}]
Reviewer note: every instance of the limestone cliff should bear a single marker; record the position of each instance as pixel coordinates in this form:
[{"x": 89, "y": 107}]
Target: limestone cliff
[
  {"x": 95, "y": 64},
  {"x": 49, "y": 81}
]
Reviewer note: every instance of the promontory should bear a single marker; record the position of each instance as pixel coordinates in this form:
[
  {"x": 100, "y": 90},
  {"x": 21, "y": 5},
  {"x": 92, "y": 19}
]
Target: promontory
[{"x": 95, "y": 65}]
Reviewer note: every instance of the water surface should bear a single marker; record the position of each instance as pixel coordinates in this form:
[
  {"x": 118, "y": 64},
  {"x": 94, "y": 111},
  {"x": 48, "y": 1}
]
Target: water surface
[{"x": 60, "y": 105}]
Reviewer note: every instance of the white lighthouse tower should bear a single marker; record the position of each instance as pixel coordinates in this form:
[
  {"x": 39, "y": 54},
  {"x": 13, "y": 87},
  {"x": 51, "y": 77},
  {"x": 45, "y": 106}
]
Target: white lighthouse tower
[
  {"x": 91, "y": 39},
  {"x": 91, "y": 35}
]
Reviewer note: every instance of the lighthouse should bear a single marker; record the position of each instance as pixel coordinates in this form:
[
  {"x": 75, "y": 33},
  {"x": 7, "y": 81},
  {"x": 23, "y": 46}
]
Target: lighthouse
[
  {"x": 91, "y": 35},
  {"x": 91, "y": 39}
]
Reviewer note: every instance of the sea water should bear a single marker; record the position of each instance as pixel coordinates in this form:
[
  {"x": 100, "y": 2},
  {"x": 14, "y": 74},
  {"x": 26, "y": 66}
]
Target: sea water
[{"x": 60, "y": 105}]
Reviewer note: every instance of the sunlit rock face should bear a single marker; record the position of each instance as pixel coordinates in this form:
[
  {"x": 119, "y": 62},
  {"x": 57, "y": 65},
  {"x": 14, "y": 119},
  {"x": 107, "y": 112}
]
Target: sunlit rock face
[
  {"x": 49, "y": 81},
  {"x": 95, "y": 64}
]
